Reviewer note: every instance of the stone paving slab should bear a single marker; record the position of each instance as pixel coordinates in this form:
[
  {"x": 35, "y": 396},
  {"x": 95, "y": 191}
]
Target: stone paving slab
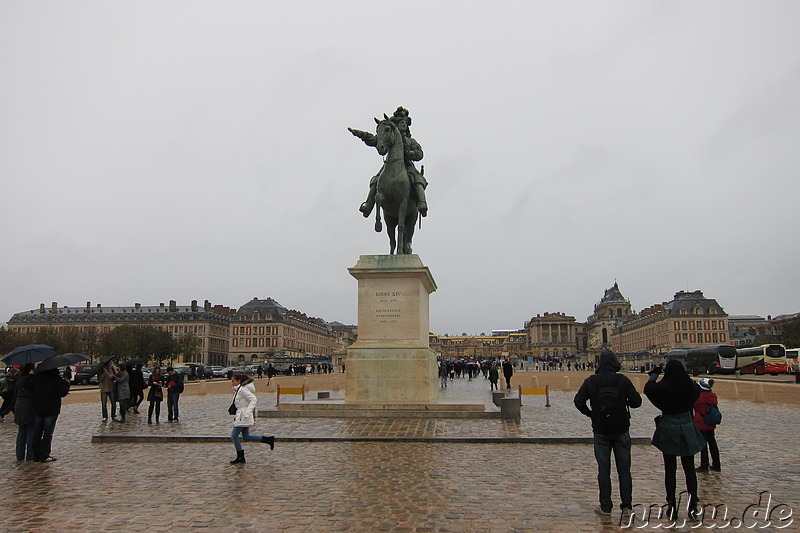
[{"x": 388, "y": 486}]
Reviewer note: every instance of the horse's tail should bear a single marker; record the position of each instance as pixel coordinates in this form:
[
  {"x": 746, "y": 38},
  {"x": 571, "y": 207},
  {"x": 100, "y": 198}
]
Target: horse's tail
[{"x": 378, "y": 225}]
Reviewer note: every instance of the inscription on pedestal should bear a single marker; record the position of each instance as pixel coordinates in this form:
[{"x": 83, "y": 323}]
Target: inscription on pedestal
[{"x": 389, "y": 307}]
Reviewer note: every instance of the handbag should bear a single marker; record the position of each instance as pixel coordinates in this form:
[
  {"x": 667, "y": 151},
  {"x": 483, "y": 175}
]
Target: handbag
[
  {"x": 158, "y": 394},
  {"x": 232, "y": 408}
]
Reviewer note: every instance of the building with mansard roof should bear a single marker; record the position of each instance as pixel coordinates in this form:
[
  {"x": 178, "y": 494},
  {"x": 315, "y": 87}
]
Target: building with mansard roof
[
  {"x": 690, "y": 320},
  {"x": 264, "y": 329},
  {"x": 210, "y": 324}
]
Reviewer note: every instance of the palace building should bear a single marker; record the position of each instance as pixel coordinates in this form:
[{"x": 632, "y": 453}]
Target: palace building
[
  {"x": 690, "y": 320},
  {"x": 209, "y": 324},
  {"x": 262, "y": 329}
]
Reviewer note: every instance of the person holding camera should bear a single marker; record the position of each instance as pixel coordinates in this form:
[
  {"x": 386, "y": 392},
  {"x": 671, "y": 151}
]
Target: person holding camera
[
  {"x": 243, "y": 408},
  {"x": 676, "y": 435}
]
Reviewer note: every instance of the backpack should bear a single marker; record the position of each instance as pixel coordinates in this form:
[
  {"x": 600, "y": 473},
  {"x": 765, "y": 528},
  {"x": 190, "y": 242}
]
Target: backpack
[
  {"x": 713, "y": 416},
  {"x": 610, "y": 409}
]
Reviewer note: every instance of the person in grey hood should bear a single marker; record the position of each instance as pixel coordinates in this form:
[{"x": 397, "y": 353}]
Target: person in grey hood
[{"x": 610, "y": 396}]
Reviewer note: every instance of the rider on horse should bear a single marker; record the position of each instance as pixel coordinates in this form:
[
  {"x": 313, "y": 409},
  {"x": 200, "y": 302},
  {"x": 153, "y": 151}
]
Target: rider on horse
[{"x": 413, "y": 152}]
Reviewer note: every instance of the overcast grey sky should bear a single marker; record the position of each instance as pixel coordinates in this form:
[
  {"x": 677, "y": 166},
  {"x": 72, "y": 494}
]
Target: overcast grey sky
[{"x": 198, "y": 150}]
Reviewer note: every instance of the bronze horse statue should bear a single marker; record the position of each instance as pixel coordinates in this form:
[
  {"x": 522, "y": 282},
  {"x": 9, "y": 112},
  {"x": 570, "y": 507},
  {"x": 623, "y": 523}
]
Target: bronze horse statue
[{"x": 394, "y": 194}]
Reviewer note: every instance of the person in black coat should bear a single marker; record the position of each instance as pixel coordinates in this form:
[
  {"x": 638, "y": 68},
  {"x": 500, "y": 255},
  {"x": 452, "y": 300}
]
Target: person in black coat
[
  {"x": 47, "y": 389},
  {"x": 676, "y": 435},
  {"x": 508, "y": 371},
  {"x": 136, "y": 381},
  {"x": 610, "y": 425}
]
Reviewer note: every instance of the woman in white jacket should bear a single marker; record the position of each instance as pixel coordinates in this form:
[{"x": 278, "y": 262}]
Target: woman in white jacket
[{"x": 244, "y": 398}]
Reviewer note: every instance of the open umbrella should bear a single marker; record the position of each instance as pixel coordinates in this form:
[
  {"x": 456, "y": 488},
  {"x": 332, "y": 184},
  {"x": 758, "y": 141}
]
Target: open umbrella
[
  {"x": 63, "y": 359},
  {"x": 101, "y": 364},
  {"x": 134, "y": 362},
  {"x": 31, "y": 353}
]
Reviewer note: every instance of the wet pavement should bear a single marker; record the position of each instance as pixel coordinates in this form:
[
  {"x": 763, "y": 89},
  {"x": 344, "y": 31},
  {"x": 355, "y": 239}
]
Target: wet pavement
[{"x": 322, "y": 477}]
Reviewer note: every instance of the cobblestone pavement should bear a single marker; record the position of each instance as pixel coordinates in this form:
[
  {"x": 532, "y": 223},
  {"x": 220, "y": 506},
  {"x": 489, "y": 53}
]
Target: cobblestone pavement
[{"x": 384, "y": 486}]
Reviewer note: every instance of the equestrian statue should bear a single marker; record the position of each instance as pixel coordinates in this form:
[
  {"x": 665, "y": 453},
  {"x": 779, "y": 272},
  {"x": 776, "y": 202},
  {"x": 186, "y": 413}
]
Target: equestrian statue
[{"x": 398, "y": 188}]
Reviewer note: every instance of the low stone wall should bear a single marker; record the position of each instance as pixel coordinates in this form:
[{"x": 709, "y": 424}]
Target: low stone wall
[{"x": 727, "y": 387}]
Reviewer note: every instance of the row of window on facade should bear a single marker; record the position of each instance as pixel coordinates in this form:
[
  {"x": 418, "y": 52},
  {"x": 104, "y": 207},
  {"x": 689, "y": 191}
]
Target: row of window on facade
[
  {"x": 546, "y": 338},
  {"x": 255, "y": 330},
  {"x": 712, "y": 338},
  {"x": 255, "y": 342},
  {"x": 698, "y": 324}
]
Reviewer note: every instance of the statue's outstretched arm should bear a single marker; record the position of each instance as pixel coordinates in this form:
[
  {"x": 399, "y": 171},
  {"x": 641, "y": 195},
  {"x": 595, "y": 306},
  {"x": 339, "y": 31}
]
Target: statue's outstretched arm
[{"x": 368, "y": 138}]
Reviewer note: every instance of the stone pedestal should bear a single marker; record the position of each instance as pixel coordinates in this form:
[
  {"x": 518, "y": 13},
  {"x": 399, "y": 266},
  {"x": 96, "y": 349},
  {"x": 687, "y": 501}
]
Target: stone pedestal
[{"x": 392, "y": 364}]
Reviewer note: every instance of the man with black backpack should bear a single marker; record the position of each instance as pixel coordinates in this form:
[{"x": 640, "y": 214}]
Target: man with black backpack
[{"x": 610, "y": 395}]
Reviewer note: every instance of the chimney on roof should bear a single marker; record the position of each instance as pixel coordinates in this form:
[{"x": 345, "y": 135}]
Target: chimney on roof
[
  {"x": 161, "y": 304},
  {"x": 206, "y": 305},
  {"x": 88, "y": 306},
  {"x": 137, "y": 305},
  {"x": 194, "y": 306},
  {"x": 173, "y": 305},
  {"x": 99, "y": 306},
  {"x": 41, "y": 308}
]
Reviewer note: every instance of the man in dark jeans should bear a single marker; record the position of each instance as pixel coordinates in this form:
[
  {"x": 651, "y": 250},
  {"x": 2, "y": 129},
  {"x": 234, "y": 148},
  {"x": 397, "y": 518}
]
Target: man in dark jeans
[
  {"x": 174, "y": 390},
  {"x": 610, "y": 395}
]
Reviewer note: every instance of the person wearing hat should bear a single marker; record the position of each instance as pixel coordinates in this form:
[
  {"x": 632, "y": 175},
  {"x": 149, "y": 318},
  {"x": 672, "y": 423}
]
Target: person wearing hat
[
  {"x": 704, "y": 401},
  {"x": 413, "y": 152}
]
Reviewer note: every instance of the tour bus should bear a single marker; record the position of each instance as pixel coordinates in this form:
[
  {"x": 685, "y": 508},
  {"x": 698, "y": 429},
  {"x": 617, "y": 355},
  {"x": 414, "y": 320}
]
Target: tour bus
[
  {"x": 764, "y": 359},
  {"x": 792, "y": 361},
  {"x": 714, "y": 359}
]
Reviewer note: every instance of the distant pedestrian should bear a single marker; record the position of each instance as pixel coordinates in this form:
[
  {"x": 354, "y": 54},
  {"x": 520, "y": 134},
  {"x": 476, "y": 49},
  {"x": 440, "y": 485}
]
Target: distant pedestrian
[
  {"x": 442, "y": 374},
  {"x": 137, "y": 386},
  {"x": 508, "y": 371},
  {"x": 7, "y": 388},
  {"x": 610, "y": 396},
  {"x": 701, "y": 406},
  {"x": 25, "y": 414},
  {"x": 174, "y": 390},
  {"x": 494, "y": 377},
  {"x": 676, "y": 435},
  {"x": 260, "y": 372},
  {"x": 155, "y": 395},
  {"x": 244, "y": 401},
  {"x": 47, "y": 389},
  {"x": 123, "y": 392},
  {"x": 105, "y": 379}
]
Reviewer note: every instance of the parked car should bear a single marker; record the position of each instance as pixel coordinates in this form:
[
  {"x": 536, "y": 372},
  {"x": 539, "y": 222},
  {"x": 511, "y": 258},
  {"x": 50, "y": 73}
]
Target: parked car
[
  {"x": 81, "y": 374},
  {"x": 228, "y": 372},
  {"x": 210, "y": 371}
]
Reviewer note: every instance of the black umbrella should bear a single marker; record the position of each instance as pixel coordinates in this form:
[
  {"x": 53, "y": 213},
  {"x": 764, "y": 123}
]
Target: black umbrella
[
  {"x": 63, "y": 359},
  {"x": 101, "y": 364},
  {"x": 134, "y": 362},
  {"x": 31, "y": 353}
]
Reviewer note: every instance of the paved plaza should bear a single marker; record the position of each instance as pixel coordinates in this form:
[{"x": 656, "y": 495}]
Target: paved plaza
[{"x": 324, "y": 476}]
